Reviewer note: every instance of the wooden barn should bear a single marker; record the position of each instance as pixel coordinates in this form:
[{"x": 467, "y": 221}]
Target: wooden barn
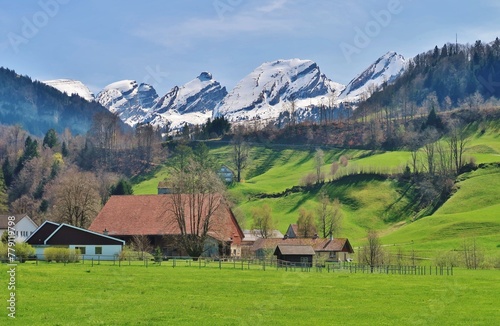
[{"x": 298, "y": 254}]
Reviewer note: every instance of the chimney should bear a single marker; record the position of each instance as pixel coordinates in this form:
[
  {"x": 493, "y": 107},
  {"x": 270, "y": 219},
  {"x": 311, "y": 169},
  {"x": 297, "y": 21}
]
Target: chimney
[
  {"x": 331, "y": 236},
  {"x": 105, "y": 232}
]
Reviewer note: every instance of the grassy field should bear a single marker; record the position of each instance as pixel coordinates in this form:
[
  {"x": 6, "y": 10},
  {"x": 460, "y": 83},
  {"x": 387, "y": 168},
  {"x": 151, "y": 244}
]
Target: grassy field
[
  {"x": 76, "y": 294},
  {"x": 473, "y": 211},
  {"x": 369, "y": 202}
]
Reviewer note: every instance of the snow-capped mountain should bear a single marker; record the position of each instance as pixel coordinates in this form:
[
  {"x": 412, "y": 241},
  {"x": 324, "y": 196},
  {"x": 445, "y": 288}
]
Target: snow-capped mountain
[
  {"x": 200, "y": 94},
  {"x": 264, "y": 93},
  {"x": 386, "y": 69},
  {"x": 192, "y": 103},
  {"x": 70, "y": 87},
  {"x": 130, "y": 100}
]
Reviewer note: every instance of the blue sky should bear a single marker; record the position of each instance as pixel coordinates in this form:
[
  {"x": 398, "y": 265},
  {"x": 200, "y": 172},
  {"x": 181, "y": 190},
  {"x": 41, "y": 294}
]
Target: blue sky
[{"x": 168, "y": 43}]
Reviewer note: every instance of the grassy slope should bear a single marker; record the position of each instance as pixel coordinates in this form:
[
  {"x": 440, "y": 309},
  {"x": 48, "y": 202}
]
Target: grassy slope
[
  {"x": 371, "y": 202},
  {"x": 473, "y": 211},
  {"x": 162, "y": 295}
]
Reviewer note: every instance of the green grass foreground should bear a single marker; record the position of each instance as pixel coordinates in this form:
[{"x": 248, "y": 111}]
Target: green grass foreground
[{"x": 78, "y": 294}]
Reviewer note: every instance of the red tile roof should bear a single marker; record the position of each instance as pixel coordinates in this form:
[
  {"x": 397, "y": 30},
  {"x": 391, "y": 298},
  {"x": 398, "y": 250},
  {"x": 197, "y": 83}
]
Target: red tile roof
[{"x": 153, "y": 215}]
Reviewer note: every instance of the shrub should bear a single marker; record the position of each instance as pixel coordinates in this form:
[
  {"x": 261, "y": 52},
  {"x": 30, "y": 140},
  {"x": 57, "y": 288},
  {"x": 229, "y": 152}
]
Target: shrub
[
  {"x": 22, "y": 251},
  {"x": 447, "y": 259},
  {"x": 62, "y": 255},
  {"x": 129, "y": 254}
]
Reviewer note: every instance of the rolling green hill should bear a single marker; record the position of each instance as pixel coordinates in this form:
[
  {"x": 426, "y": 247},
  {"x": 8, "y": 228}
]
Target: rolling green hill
[{"x": 371, "y": 200}]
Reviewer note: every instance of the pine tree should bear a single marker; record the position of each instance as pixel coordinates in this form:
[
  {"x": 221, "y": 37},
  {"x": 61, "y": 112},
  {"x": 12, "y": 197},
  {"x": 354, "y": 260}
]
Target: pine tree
[{"x": 50, "y": 139}]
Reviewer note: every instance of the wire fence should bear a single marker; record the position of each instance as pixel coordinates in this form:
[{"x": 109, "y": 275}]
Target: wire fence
[{"x": 255, "y": 264}]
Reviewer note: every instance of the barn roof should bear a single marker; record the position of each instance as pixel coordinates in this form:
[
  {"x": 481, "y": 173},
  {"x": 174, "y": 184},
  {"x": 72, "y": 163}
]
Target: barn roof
[
  {"x": 318, "y": 244},
  {"x": 153, "y": 215},
  {"x": 301, "y": 250}
]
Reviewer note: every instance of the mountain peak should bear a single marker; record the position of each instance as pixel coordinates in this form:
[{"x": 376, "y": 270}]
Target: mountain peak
[
  {"x": 261, "y": 93},
  {"x": 70, "y": 87},
  {"x": 384, "y": 70},
  {"x": 205, "y": 76}
]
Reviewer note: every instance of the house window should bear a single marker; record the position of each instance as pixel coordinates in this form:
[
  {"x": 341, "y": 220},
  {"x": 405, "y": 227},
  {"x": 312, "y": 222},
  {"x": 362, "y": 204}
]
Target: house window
[
  {"x": 333, "y": 254},
  {"x": 82, "y": 250},
  {"x": 98, "y": 250}
]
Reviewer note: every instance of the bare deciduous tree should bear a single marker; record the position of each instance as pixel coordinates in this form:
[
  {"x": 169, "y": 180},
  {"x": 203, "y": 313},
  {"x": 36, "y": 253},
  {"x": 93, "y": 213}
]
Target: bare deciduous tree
[
  {"x": 305, "y": 224},
  {"x": 197, "y": 196},
  {"x": 457, "y": 141},
  {"x": 473, "y": 256},
  {"x": 329, "y": 216},
  {"x": 75, "y": 198},
  {"x": 372, "y": 254},
  {"x": 142, "y": 245},
  {"x": 240, "y": 154},
  {"x": 319, "y": 160},
  {"x": 263, "y": 221}
]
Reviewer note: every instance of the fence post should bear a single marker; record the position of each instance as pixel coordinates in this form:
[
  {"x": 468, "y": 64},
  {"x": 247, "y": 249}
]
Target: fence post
[
  {"x": 92, "y": 261},
  {"x": 264, "y": 264},
  {"x": 220, "y": 263}
]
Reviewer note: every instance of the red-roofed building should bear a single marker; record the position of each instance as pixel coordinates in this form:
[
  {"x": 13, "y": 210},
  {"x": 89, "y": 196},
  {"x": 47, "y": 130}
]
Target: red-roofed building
[{"x": 152, "y": 215}]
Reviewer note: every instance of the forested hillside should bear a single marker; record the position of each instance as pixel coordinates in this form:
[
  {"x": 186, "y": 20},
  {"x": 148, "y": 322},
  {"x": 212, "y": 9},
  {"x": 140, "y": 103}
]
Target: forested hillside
[{"x": 38, "y": 107}]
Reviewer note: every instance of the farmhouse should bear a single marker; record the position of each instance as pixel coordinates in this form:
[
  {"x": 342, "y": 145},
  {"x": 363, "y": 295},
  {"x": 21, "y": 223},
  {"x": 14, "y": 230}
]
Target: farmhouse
[
  {"x": 226, "y": 174},
  {"x": 337, "y": 249},
  {"x": 23, "y": 226},
  {"x": 152, "y": 215},
  {"x": 90, "y": 244}
]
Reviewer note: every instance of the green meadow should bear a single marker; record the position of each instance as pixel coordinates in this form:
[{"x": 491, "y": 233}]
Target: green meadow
[
  {"x": 79, "y": 294},
  {"x": 370, "y": 201}
]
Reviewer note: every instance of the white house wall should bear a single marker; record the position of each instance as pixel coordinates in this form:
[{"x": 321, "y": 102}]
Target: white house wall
[{"x": 109, "y": 252}]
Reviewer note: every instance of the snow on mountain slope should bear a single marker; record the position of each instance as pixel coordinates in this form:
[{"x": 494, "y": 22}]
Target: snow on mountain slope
[
  {"x": 264, "y": 93},
  {"x": 386, "y": 69},
  {"x": 70, "y": 87},
  {"x": 200, "y": 94},
  {"x": 128, "y": 99}
]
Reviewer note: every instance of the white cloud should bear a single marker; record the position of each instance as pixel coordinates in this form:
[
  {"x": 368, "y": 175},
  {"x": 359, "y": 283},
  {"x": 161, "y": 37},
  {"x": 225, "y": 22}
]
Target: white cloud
[
  {"x": 274, "y": 5},
  {"x": 185, "y": 33}
]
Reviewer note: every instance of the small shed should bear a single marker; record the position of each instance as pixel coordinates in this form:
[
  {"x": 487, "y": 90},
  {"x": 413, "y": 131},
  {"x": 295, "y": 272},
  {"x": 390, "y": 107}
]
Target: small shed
[{"x": 298, "y": 254}]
